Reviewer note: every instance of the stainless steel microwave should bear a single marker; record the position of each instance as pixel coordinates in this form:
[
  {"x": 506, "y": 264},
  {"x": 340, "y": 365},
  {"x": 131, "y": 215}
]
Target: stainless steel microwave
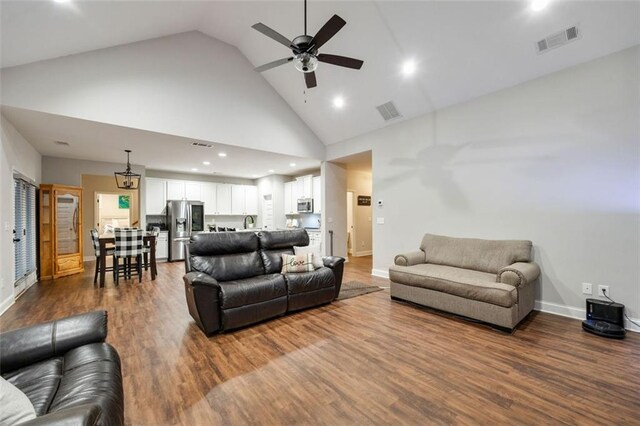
[{"x": 305, "y": 205}]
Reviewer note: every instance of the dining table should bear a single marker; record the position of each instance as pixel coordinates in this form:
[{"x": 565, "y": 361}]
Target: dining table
[{"x": 109, "y": 238}]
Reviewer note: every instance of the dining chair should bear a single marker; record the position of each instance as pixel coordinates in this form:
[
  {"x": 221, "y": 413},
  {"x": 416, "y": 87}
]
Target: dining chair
[
  {"x": 95, "y": 239},
  {"x": 129, "y": 244},
  {"x": 147, "y": 247}
]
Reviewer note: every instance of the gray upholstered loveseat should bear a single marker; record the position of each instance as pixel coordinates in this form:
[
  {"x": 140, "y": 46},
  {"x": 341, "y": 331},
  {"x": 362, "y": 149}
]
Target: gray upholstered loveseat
[{"x": 488, "y": 280}]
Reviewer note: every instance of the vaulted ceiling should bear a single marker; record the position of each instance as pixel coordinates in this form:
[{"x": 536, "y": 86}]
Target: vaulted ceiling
[{"x": 463, "y": 49}]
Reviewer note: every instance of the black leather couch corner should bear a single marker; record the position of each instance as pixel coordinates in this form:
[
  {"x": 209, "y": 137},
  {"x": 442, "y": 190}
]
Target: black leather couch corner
[
  {"x": 69, "y": 373},
  {"x": 233, "y": 279}
]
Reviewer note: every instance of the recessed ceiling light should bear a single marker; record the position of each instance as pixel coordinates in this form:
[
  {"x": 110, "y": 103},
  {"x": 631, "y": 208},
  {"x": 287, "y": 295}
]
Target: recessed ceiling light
[
  {"x": 194, "y": 170},
  {"x": 408, "y": 67},
  {"x": 292, "y": 164},
  {"x": 206, "y": 163},
  {"x": 338, "y": 102},
  {"x": 222, "y": 154},
  {"x": 537, "y": 5},
  {"x": 271, "y": 171}
]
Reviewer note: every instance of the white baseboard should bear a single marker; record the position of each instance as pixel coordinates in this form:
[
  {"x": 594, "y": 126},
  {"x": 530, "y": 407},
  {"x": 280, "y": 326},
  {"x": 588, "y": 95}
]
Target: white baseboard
[
  {"x": 577, "y": 313},
  {"x": 382, "y": 273},
  {"x": 6, "y": 304},
  {"x": 363, "y": 253}
]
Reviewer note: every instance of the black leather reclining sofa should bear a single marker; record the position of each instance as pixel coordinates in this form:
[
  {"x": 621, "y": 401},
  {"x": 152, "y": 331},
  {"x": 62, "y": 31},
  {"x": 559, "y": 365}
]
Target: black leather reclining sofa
[
  {"x": 234, "y": 278},
  {"x": 68, "y": 372}
]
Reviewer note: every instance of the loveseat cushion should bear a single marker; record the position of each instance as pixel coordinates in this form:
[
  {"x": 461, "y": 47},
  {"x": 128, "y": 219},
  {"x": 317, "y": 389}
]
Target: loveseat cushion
[
  {"x": 39, "y": 382},
  {"x": 92, "y": 376},
  {"x": 225, "y": 256},
  {"x": 252, "y": 290},
  {"x": 274, "y": 244},
  {"x": 472, "y": 253},
  {"x": 310, "y": 281},
  {"x": 474, "y": 285}
]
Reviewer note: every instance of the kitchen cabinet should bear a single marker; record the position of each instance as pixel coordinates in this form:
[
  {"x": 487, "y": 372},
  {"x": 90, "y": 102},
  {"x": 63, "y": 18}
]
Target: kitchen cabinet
[
  {"x": 315, "y": 237},
  {"x": 291, "y": 197},
  {"x": 304, "y": 184},
  {"x": 156, "y": 196},
  {"x": 223, "y": 202},
  {"x": 193, "y": 191},
  {"x": 210, "y": 197},
  {"x": 162, "y": 246},
  {"x": 175, "y": 190},
  {"x": 244, "y": 199},
  {"x": 317, "y": 194}
]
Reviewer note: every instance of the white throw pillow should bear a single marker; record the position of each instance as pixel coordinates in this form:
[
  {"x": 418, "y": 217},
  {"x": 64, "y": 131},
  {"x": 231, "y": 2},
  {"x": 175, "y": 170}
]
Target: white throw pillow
[
  {"x": 297, "y": 263},
  {"x": 314, "y": 249},
  {"x": 16, "y": 406}
]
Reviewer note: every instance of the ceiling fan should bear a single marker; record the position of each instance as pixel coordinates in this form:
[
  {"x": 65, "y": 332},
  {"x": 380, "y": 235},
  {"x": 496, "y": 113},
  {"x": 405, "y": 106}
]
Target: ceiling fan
[{"x": 305, "y": 49}]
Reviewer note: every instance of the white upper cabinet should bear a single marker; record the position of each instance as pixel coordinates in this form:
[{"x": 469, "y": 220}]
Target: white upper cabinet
[
  {"x": 251, "y": 200},
  {"x": 287, "y": 198},
  {"x": 156, "y": 196},
  {"x": 244, "y": 199},
  {"x": 175, "y": 190},
  {"x": 317, "y": 194},
  {"x": 193, "y": 191},
  {"x": 305, "y": 186},
  {"x": 223, "y": 202},
  {"x": 209, "y": 198},
  {"x": 237, "y": 199}
]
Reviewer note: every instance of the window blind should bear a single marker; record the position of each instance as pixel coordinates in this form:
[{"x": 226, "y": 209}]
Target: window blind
[{"x": 24, "y": 233}]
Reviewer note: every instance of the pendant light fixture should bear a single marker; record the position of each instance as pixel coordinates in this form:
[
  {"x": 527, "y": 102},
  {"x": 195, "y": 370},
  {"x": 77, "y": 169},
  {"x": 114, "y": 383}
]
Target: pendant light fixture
[{"x": 127, "y": 179}]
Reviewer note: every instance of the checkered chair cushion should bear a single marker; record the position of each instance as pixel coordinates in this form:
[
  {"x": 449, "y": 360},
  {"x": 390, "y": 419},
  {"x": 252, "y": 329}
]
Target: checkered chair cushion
[
  {"x": 95, "y": 239},
  {"x": 129, "y": 242}
]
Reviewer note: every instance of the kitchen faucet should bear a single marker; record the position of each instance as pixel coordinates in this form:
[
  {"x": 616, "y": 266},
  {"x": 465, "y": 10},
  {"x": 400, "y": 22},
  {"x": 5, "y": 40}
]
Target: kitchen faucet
[{"x": 244, "y": 221}]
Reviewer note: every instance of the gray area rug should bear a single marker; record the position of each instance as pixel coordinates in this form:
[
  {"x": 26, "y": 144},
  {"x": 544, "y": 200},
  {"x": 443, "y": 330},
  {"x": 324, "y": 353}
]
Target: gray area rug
[{"x": 355, "y": 288}]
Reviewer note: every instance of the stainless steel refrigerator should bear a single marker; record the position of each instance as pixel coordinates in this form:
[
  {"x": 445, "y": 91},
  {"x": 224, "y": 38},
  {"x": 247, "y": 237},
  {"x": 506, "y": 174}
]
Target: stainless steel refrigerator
[{"x": 184, "y": 218}]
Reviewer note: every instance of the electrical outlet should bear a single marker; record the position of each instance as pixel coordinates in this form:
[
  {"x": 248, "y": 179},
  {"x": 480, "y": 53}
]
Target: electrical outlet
[
  {"x": 587, "y": 288},
  {"x": 602, "y": 289}
]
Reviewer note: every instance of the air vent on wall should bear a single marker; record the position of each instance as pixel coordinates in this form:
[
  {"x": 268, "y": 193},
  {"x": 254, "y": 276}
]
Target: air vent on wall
[
  {"x": 202, "y": 145},
  {"x": 61, "y": 143},
  {"x": 388, "y": 111},
  {"x": 558, "y": 39}
]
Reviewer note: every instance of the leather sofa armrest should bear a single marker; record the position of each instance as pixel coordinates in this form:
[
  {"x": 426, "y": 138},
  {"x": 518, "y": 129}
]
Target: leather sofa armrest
[
  {"x": 519, "y": 274},
  {"x": 200, "y": 278},
  {"x": 82, "y": 415},
  {"x": 411, "y": 258},
  {"x": 336, "y": 264},
  {"x": 29, "y": 345}
]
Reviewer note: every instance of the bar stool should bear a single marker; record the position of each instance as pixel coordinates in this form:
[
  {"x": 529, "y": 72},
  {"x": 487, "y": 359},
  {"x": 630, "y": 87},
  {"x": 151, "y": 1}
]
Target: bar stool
[
  {"x": 95, "y": 238},
  {"x": 129, "y": 244}
]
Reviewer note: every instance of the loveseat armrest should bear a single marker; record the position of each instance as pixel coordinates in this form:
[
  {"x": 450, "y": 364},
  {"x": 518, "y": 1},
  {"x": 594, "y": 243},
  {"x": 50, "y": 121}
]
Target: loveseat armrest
[
  {"x": 411, "y": 258},
  {"x": 29, "y": 345},
  {"x": 82, "y": 415},
  {"x": 195, "y": 278},
  {"x": 518, "y": 274},
  {"x": 336, "y": 264}
]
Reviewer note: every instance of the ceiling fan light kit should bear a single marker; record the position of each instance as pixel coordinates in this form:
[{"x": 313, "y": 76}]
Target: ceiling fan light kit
[{"x": 305, "y": 49}]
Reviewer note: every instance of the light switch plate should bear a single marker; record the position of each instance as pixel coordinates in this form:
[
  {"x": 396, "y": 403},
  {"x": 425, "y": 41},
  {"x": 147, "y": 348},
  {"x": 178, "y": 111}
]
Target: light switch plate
[
  {"x": 380, "y": 220},
  {"x": 7, "y": 226}
]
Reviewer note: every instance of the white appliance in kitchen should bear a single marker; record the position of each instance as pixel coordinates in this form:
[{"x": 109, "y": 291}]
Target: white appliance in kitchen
[{"x": 305, "y": 205}]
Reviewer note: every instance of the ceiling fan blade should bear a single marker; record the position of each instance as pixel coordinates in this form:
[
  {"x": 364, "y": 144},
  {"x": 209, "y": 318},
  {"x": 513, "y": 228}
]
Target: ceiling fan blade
[
  {"x": 273, "y": 34},
  {"x": 341, "y": 61},
  {"x": 329, "y": 29},
  {"x": 273, "y": 64},
  {"x": 310, "y": 79}
]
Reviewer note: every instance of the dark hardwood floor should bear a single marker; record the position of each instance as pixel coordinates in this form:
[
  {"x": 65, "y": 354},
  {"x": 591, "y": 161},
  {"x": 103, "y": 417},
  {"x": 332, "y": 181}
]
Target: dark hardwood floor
[{"x": 365, "y": 360}]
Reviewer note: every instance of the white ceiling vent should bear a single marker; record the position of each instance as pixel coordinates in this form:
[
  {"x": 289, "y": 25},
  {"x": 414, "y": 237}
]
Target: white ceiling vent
[
  {"x": 201, "y": 145},
  {"x": 558, "y": 39},
  {"x": 61, "y": 143},
  {"x": 388, "y": 111}
]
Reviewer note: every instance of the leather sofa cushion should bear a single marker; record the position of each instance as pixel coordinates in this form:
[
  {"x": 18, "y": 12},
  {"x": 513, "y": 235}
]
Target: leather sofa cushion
[
  {"x": 39, "y": 382},
  {"x": 283, "y": 239},
  {"x": 218, "y": 243},
  {"x": 310, "y": 281},
  {"x": 229, "y": 267},
  {"x": 272, "y": 259},
  {"x": 473, "y": 253},
  {"x": 252, "y": 290},
  {"x": 91, "y": 376},
  {"x": 473, "y": 285}
]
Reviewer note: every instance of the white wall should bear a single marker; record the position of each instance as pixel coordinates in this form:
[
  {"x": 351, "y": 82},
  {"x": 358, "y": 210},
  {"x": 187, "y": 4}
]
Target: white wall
[
  {"x": 555, "y": 160},
  {"x": 334, "y": 208},
  {"x": 188, "y": 85},
  {"x": 16, "y": 154}
]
